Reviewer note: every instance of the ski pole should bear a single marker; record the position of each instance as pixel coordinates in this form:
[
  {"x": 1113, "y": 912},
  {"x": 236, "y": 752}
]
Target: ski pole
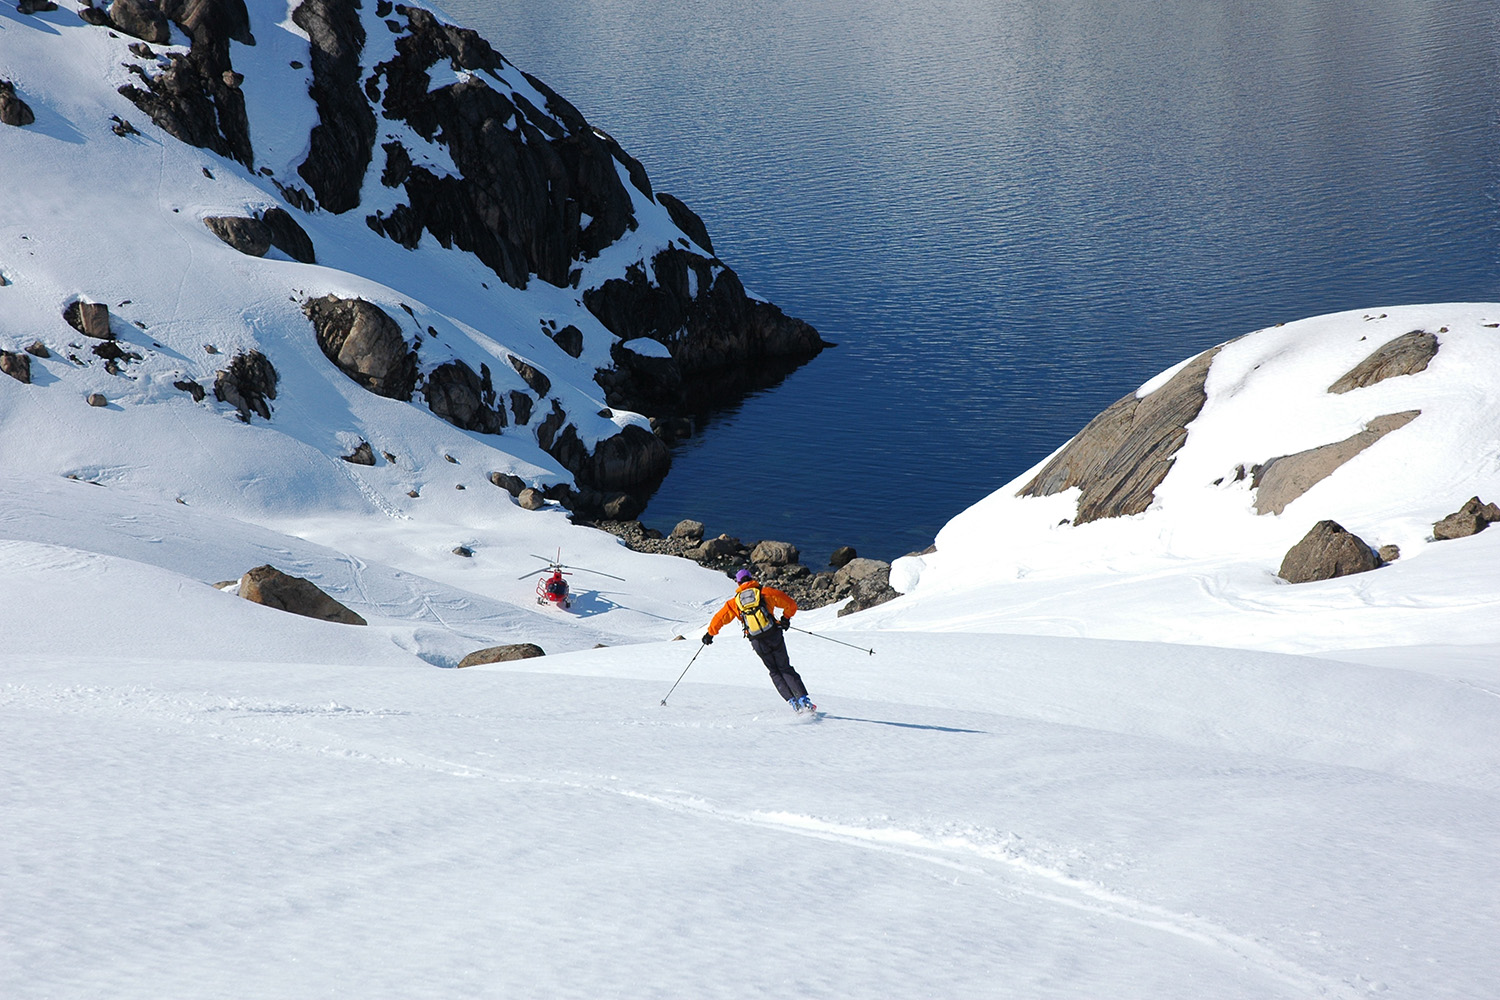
[
  {"x": 684, "y": 673},
  {"x": 820, "y": 636}
]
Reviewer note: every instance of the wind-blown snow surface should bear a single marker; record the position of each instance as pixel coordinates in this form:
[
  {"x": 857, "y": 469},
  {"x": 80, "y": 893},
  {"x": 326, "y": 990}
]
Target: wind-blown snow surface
[{"x": 202, "y": 797}]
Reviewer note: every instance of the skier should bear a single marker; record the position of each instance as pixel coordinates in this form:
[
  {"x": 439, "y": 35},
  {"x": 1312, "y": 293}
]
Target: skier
[{"x": 755, "y": 606}]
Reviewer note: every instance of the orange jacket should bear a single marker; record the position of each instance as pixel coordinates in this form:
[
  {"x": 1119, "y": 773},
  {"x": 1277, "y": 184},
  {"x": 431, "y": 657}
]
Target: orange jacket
[{"x": 772, "y": 596}]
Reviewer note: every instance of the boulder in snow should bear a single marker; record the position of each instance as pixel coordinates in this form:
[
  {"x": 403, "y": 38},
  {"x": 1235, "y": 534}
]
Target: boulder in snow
[
  {"x": 1470, "y": 519},
  {"x": 96, "y": 399},
  {"x": 89, "y": 318},
  {"x": 464, "y": 399},
  {"x": 16, "y": 365},
  {"x": 249, "y": 236},
  {"x": 866, "y": 581},
  {"x": 247, "y": 384},
  {"x": 13, "y": 110},
  {"x": 362, "y": 455},
  {"x": 1325, "y": 552},
  {"x": 365, "y": 343},
  {"x": 510, "y": 484},
  {"x": 270, "y": 586},
  {"x": 531, "y": 499},
  {"x": 503, "y": 654}
]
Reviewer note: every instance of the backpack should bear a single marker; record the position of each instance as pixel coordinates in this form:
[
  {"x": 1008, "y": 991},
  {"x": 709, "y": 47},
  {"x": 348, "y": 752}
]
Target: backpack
[{"x": 755, "y": 614}]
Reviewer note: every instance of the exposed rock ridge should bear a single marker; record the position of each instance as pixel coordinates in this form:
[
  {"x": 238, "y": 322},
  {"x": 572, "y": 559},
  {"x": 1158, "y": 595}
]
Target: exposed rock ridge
[
  {"x": 1124, "y": 453},
  {"x": 1406, "y": 355},
  {"x": 194, "y": 97},
  {"x": 1279, "y": 481}
]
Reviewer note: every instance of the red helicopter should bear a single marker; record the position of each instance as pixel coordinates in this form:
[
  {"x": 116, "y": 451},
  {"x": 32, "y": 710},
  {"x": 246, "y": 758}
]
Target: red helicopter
[{"x": 553, "y": 589}]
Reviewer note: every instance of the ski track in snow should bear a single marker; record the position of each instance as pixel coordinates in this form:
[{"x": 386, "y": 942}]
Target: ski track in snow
[{"x": 988, "y": 857}]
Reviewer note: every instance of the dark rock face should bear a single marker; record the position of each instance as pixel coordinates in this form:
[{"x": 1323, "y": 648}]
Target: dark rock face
[
  {"x": 271, "y": 587},
  {"x": 13, "y": 110},
  {"x": 462, "y": 398},
  {"x": 365, "y": 343},
  {"x": 630, "y": 460},
  {"x": 89, "y": 318},
  {"x": 1325, "y": 552},
  {"x": 196, "y": 98},
  {"x": 1281, "y": 480},
  {"x": 720, "y": 339},
  {"x": 248, "y": 236},
  {"x": 1406, "y": 355},
  {"x": 141, "y": 19},
  {"x": 686, "y": 219},
  {"x": 35, "y": 6},
  {"x": 16, "y": 365},
  {"x": 247, "y": 384},
  {"x": 1470, "y": 519},
  {"x": 535, "y": 380},
  {"x": 503, "y": 654},
  {"x": 528, "y": 177},
  {"x": 1123, "y": 454},
  {"x": 288, "y": 236},
  {"x": 570, "y": 339},
  {"x": 343, "y": 142}
]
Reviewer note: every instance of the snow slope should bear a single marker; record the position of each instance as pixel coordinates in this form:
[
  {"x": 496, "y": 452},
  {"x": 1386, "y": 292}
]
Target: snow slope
[{"x": 1085, "y": 761}]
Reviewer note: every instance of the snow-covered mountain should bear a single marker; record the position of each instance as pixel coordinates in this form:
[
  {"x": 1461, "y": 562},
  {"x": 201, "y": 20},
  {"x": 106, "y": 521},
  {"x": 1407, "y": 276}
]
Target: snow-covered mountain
[{"x": 1088, "y": 754}]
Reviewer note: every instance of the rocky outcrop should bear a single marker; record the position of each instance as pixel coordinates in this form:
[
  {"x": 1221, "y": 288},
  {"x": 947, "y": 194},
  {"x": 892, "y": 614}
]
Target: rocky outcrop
[
  {"x": 1122, "y": 455},
  {"x": 463, "y": 398},
  {"x": 13, "y": 110},
  {"x": 721, "y": 341},
  {"x": 1470, "y": 519},
  {"x": 1325, "y": 552},
  {"x": 1279, "y": 481},
  {"x": 502, "y": 654},
  {"x": 247, "y": 385},
  {"x": 365, "y": 343},
  {"x": 1406, "y": 355},
  {"x": 16, "y": 365},
  {"x": 196, "y": 97},
  {"x": 362, "y": 454},
  {"x": 271, "y": 587},
  {"x": 342, "y": 143},
  {"x": 529, "y": 176}
]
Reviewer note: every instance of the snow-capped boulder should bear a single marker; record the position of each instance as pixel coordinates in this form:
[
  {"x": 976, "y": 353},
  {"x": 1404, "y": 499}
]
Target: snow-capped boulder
[
  {"x": 1325, "y": 552},
  {"x": 271, "y": 587}
]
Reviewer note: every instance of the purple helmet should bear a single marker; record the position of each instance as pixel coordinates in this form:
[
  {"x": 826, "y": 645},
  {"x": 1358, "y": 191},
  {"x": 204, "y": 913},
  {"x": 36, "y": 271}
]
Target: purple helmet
[{"x": 742, "y": 576}]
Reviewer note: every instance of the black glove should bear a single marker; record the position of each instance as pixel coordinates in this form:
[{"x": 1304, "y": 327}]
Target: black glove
[
  {"x": 784, "y": 624},
  {"x": 708, "y": 640}
]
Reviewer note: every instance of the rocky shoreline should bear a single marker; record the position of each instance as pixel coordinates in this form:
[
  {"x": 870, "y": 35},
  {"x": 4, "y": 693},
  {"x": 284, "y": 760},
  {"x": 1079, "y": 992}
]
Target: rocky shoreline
[{"x": 864, "y": 582}]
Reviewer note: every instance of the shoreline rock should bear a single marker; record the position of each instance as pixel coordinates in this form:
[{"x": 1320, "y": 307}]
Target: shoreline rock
[{"x": 865, "y": 580}]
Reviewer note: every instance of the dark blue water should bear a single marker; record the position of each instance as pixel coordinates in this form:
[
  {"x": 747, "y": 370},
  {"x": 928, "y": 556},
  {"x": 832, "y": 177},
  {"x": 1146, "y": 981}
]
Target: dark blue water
[{"x": 1011, "y": 213}]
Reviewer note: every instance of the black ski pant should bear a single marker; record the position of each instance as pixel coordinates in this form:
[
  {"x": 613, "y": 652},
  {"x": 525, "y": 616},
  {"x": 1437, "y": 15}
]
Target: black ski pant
[{"x": 770, "y": 646}]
